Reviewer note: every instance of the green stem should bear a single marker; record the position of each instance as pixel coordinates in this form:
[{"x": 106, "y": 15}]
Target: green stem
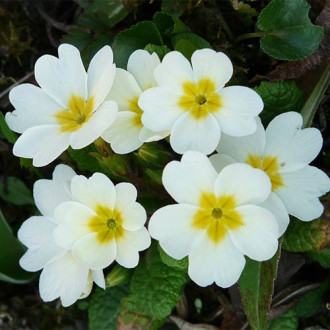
[
  {"x": 225, "y": 27},
  {"x": 250, "y": 36},
  {"x": 309, "y": 109}
]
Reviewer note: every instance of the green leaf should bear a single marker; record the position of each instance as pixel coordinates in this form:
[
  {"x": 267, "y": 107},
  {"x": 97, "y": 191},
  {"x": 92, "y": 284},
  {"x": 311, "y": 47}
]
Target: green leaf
[
  {"x": 310, "y": 302},
  {"x": 136, "y": 37},
  {"x": 171, "y": 262},
  {"x": 287, "y": 321},
  {"x": 175, "y": 8},
  {"x": 84, "y": 160},
  {"x": 161, "y": 51},
  {"x": 10, "y": 253},
  {"x": 118, "y": 275},
  {"x": 323, "y": 256},
  {"x": 155, "y": 290},
  {"x": 7, "y": 132},
  {"x": 305, "y": 236},
  {"x": 104, "y": 307},
  {"x": 279, "y": 97},
  {"x": 14, "y": 191},
  {"x": 290, "y": 35},
  {"x": 256, "y": 286}
]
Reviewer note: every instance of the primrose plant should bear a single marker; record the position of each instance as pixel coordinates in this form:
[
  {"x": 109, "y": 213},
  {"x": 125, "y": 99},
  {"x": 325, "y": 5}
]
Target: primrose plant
[{"x": 232, "y": 204}]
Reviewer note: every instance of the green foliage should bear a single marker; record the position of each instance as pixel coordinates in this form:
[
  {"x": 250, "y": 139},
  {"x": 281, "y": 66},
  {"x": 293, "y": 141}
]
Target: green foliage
[
  {"x": 279, "y": 97},
  {"x": 84, "y": 160},
  {"x": 118, "y": 275},
  {"x": 7, "y": 132},
  {"x": 290, "y": 35},
  {"x": 256, "y": 286},
  {"x": 175, "y": 8},
  {"x": 155, "y": 290},
  {"x": 305, "y": 236},
  {"x": 161, "y": 51},
  {"x": 14, "y": 191},
  {"x": 287, "y": 321},
  {"x": 104, "y": 307},
  {"x": 171, "y": 262},
  {"x": 10, "y": 253},
  {"x": 323, "y": 256}
]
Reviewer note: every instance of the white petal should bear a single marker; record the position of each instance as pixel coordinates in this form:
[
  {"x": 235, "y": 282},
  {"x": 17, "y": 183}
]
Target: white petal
[
  {"x": 125, "y": 89},
  {"x": 126, "y": 194},
  {"x": 101, "y": 73},
  {"x": 134, "y": 216},
  {"x": 93, "y": 254},
  {"x": 301, "y": 191},
  {"x": 275, "y": 205},
  {"x": 219, "y": 162},
  {"x": 245, "y": 183},
  {"x": 295, "y": 147},
  {"x": 240, "y": 107},
  {"x": 240, "y": 147},
  {"x": 32, "y": 108},
  {"x": 88, "y": 287},
  {"x": 185, "y": 181},
  {"x": 216, "y": 66},
  {"x": 97, "y": 190},
  {"x": 141, "y": 65},
  {"x": 61, "y": 78},
  {"x": 257, "y": 237},
  {"x": 146, "y": 135},
  {"x": 174, "y": 70},
  {"x": 101, "y": 119},
  {"x": 48, "y": 194},
  {"x": 171, "y": 226},
  {"x": 98, "y": 278},
  {"x": 36, "y": 234},
  {"x": 65, "y": 278},
  {"x": 129, "y": 245},
  {"x": 189, "y": 133},
  {"x": 123, "y": 134},
  {"x": 42, "y": 143},
  {"x": 160, "y": 108},
  {"x": 222, "y": 263}
]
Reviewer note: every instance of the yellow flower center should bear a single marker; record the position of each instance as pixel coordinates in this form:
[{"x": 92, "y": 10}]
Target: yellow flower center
[
  {"x": 268, "y": 164},
  {"x": 78, "y": 113},
  {"x": 134, "y": 107},
  {"x": 107, "y": 224},
  {"x": 200, "y": 99},
  {"x": 216, "y": 215}
]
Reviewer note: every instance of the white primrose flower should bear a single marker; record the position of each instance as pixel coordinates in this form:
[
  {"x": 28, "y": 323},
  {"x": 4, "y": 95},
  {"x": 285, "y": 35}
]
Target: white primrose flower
[
  {"x": 193, "y": 104},
  {"x": 102, "y": 223},
  {"x": 62, "y": 276},
  {"x": 127, "y": 133},
  {"x": 283, "y": 152},
  {"x": 69, "y": 108},
  {"x": 217, "y": 220}
]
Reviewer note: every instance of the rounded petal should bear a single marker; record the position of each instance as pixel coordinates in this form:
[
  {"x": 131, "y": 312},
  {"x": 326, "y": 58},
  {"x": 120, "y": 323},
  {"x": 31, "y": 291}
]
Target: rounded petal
[
  {"x": 185, "y": 181},
  {"x": 123, "y": 134},
  {"x": 245, "y": 183},
  {"x": 142, "y": 65},
  {"x": 101, "y": 119},
  {"x": 275, "y": 205},
  {"x": 41, "y": 143},
  {"x": 93, "y": 254},
  {"x": 65, "y": 278},
  {"x": 257, "y": 236},
  {"x": 98, "y": 278},
  {"x": 126, "y": 194},
  {"x": 219, "y": 162},
  {"x": 129, "y": 245},
  {"x": 301, "y": 191},
  {"x": 33, "y": 107},
  {"x": 174, "y": 70},
  {"x": 134, "y": 216},
  {"x": 146, "y": 135},
  {"x": 294, "y": 147},
  {"x": 94, "y": 191},
  {"x": 171, "y": 226},
  {"x": 62, "y": 77},
  {"x": 221, "y": 263},
  {"x": 240, "y": 107},
  {"x": 189, "y": 133},
  {"x": 101, "y": 73},
  {"x": 240, "y": 148},
  {"x": 160, "y": 108},
  {"x": 88, "y": 288},
  {"x": 216, "y": 66}
]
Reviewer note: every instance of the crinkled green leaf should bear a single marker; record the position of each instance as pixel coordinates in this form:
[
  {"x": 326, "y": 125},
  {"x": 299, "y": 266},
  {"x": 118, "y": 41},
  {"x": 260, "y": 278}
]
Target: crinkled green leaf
[
  {"x": 175, "y": 8},
  {"x": 136, "y": 37},
  {"x": 287, "y": 321},
  {"x": 323, "y": 256},
  {"x": 256, "y": 286},
  {"x": 14, "y": 191},
  {"x": 305, "y": 236},
  {"x": 7, "y": 132},
  {"x": 171, "y": 262},
  {"x": 84, "y": 160},
  {"x": 279, "y": 97},
  {"x": 161, "y": 51},
  {"x": 195, "y": 39},
  {"x": 155, "y": 290},
  {"x": 104, "y": 307},
  {"x": 290, "y": 33}
]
